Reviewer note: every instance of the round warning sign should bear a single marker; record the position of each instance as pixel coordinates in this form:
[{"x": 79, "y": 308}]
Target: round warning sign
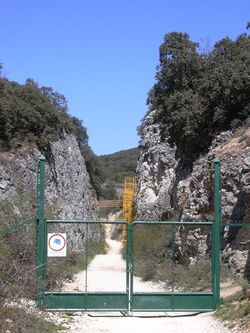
[{"x": 57, "y": 244}]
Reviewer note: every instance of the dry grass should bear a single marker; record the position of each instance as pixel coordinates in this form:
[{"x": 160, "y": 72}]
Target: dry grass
[
  {"x": 17, "y": 320},
  {"x": 156, "y": 259},
  {"x": 235, "y": 310},
  {"x": 236, "y": 145}
]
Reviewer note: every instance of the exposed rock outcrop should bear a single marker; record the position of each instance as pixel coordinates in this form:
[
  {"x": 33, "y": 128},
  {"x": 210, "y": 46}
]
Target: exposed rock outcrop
[
  {"x": 69, "y": 194},
  {"x": 156, "y": 172},
  {"x": 170, "y": 187}
]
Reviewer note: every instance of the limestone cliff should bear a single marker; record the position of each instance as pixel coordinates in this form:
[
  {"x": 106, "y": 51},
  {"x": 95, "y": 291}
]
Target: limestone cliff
[
  {"x": 182, "y": 189},
  {"x": 170, "y": 186},
  {"x": 155, "y": 171},
  {"x": 69, "y": 193}
]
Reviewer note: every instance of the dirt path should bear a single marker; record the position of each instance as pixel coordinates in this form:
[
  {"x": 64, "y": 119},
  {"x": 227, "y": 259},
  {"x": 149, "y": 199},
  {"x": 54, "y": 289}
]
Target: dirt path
[
  {"x": 146, "y": 323},
  {"x": 108, "y": 273},
  {"x": 229, "y": 288}
]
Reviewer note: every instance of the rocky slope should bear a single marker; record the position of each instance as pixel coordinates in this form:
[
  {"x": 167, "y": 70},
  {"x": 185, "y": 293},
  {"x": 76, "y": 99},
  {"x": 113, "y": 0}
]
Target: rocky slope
[
  {"x": 170, "y": 187},
  {"x": 69, "y": 193}
]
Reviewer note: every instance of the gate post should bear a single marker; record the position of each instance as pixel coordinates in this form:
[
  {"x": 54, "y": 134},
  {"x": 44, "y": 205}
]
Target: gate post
[
  {"x": 41, "y": 235},
  {"x": 217, "y": 231}
]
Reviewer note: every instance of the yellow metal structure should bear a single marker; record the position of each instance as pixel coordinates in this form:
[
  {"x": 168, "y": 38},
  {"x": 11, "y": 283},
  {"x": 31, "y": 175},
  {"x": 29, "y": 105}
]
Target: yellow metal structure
[
  {"x": 128, "y": 195},
  {"x": 109, "y": 204},
  {"x": 127, "y": 198},
  {"x": 126, "y": 203}
]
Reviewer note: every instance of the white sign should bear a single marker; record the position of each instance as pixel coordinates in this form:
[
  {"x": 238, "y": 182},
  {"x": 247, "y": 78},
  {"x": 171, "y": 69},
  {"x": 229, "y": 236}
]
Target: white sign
[{"x": 57, "y": 245}]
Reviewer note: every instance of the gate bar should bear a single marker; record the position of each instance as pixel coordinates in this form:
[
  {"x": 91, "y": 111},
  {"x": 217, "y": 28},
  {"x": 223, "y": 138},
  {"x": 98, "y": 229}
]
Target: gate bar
[
  {"x": 174, "y": 222},
  {"x": 41, "y": 233},
  {"x": 217, "y": 230},
  {"x": 130, "y": 251},
  {"x": 86, "y": 221}
]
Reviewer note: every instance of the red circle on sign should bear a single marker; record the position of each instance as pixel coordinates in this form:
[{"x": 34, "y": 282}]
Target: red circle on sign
[{"x": 63, "y": 242}]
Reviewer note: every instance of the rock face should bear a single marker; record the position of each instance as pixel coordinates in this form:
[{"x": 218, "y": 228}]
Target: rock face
[
  {"x": 169, "y": 187},
  {"x": 69, "y": 194},
  {"x": 156, "y": 172}
]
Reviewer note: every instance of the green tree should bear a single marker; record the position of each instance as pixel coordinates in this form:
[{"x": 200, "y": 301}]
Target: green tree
[
  {"x": 225, "y": 86},
  {"x": 173, "y": 95},
  {"x": 179, "y": 69},
  {"x": 30, "y": 114},
  {"x": 198, "y": 95}
]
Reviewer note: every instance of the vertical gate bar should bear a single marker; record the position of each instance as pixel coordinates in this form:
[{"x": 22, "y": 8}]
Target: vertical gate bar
[
  {"x": 45, "y": 253},
  {"x": 172, "y": 266},
  {"x": 41, "y": 236},
  {"x": 172, "y": 258},
  {"x": 213, "y": 265},
  {"x": 86, "y": 271},
  {"x": 217, "y": 230},
  {"x": 130, "y": 246},
  {"x": 127, "y": 264}
]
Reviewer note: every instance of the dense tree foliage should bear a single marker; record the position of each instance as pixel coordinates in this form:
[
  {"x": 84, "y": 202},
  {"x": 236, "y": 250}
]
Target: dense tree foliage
[
  {"x": 29, "y": 114},
  {"x": 198, "y": 95},
  {"x": 119, "y": 165}
]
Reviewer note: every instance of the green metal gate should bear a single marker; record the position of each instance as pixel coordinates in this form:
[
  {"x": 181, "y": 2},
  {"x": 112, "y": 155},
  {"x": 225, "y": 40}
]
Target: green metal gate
[
  {"x": 169, "y": 273},
  {"x": 103, "y": 282},
  {"x": 183, "y": 286}
]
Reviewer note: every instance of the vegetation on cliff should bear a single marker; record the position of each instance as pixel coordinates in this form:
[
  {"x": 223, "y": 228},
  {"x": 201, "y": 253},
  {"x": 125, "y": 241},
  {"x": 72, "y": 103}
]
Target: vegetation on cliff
[
  {"x": 31, "y": 115},
  {"x": 199, "y": 94},
  {"x": 34, "y": 115}
]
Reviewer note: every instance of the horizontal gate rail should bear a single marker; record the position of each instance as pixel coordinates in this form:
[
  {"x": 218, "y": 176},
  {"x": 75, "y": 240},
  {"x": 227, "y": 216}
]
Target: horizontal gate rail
[
  {"x": 71, "y": 301},
  {"x": 86, "y": 221},
  {"x": 188, "y": 302},
  {"x": 174, "y": 222}
]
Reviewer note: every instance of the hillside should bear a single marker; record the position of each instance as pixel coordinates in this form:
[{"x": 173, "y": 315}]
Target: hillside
[{"x": 114, "y": 168}]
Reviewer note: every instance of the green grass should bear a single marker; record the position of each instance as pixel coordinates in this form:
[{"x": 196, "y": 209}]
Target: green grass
[{"x": 17, "y": 320}]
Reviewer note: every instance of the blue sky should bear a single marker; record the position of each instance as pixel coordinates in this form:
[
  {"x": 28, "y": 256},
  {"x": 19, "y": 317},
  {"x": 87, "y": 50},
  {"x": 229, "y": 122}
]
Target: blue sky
[{"x": 101, "y": 54}]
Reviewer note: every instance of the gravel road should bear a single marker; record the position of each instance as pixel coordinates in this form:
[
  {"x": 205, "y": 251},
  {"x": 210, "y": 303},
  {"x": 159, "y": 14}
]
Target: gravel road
[
  {"x": 146, "y": 323},
  {"x": 108, "y": 273}
]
